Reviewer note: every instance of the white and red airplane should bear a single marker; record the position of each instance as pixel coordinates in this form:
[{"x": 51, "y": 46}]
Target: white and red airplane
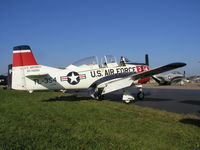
[{"x": 90, "y": 74}]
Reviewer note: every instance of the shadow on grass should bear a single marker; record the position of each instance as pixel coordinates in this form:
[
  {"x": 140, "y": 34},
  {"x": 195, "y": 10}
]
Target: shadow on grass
[
  {"x": 71, "y": 98},
  {"x": 195, "y": 122}
]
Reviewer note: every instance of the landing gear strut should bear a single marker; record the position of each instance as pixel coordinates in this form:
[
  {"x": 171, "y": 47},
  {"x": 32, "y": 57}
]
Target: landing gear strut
[
  {"x": 97, "y": 94},
  {"x": 140, "y": 94}
]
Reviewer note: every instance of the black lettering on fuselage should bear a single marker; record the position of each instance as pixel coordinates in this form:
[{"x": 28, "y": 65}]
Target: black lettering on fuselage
[
  {"x": 99, "y": 73},
  {"x": 96, "y": 73},
  {"x": 93, "y": 74},
  {"x": 45, "y": 80},
  {"x": 37, "y": 81},
  {"x": 112, "y": 71},
  {"x": 108, "y": 72}
]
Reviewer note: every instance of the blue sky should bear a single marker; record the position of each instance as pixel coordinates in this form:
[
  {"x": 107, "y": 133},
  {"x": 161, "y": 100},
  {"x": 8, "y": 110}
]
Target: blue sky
[{"x": 63, "y": 31}]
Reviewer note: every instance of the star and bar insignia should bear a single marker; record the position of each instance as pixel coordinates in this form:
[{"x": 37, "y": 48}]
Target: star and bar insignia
[{"x": 73, "y": 77}]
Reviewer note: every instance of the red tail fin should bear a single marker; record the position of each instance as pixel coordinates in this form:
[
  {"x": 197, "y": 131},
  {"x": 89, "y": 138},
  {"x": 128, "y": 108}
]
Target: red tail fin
[{"x": 23, "y": 56}]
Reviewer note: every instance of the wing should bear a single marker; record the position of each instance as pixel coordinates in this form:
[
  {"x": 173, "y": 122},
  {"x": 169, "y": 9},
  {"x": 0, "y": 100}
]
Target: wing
[
  {"x": 158, "y": 70},
  {"x": 128, "y": 81}
]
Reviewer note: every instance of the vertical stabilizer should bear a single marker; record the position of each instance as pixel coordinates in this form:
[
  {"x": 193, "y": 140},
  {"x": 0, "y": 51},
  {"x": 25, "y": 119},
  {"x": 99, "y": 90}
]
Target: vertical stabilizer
[{"x": 23, "y": 56}]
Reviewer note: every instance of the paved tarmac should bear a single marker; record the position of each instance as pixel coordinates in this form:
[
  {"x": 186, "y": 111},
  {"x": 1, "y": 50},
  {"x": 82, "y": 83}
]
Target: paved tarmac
[{"x": 178, "y": 100}]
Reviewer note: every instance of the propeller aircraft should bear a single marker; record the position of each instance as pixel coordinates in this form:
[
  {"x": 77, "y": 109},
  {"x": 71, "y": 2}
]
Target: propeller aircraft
[{"x": 97, "y": 76}]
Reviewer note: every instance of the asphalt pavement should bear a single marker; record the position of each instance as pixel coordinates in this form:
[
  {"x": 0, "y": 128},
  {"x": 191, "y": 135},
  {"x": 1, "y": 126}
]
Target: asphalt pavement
[{"x": 182, "y": 101}]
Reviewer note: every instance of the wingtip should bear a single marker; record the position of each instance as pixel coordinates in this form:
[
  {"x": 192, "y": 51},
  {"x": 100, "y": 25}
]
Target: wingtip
[
  {"x": 184, "y": 64},
  {"x": 177, "y": 64},
  {"x": 181, "y": 64}
]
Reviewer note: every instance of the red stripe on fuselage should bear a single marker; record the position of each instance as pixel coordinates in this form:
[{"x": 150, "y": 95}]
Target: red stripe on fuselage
[{"x": 23, "y": 59}]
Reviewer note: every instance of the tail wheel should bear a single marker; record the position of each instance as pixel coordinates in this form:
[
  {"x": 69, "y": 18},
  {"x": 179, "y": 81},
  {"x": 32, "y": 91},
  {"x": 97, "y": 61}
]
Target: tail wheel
[{"x": 140, "y": 95}]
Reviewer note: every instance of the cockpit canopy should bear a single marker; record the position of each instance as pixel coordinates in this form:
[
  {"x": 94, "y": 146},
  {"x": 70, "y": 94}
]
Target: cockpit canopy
[{"x": 94, "y": 62}]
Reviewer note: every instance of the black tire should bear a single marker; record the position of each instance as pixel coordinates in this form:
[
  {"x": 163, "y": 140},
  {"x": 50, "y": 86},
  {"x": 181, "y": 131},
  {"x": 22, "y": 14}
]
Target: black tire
[
  {"x": 140, "y": 95},
  {"x": 100, "y": 97}
]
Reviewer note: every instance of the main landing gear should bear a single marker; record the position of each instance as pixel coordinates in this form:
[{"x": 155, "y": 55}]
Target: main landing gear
[
  {"x": 128, "y": 98},
  {"x": 97, "y": 94},
  {"x": 140, "y": 94}
]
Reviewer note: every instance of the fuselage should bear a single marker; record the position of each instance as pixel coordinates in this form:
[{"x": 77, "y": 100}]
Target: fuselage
[
  {"x": 27, "y": 74},
  {"x": 73, "y": 77}
]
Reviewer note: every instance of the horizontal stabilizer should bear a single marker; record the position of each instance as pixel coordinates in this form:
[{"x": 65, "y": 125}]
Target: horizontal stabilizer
[{"x": 37, "y": 75}]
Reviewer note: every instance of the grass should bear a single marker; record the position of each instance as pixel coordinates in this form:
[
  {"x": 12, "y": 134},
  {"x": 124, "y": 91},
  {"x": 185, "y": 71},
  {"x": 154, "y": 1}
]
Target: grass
[{"x": 56, "y": 121}]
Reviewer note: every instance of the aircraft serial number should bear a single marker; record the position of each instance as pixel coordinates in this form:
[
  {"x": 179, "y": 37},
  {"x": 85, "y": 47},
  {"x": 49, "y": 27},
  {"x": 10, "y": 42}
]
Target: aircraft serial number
[{"x": 45, "y": 80}]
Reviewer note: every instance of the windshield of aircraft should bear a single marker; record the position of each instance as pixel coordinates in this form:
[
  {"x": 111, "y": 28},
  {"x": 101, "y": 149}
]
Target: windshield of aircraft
[
  {"x": 110, "y": 59},
  {"x": 86, "y": 61}
]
